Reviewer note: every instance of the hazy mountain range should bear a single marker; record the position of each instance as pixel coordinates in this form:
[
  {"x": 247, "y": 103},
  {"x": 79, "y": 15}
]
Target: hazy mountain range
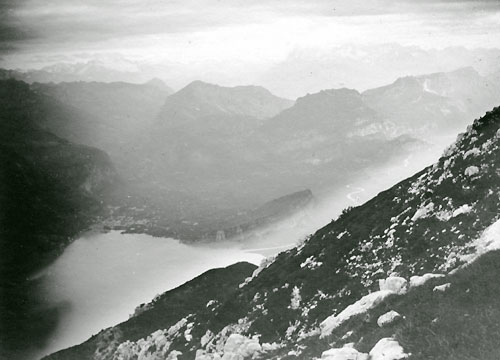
[
  {"x": 209, "y": 152},
  {"x": 197, "y": 164},
  {"x": 365, "y": 67},
  {"x": 302, "y": 71},
  {"x": 449, "y": 99}
]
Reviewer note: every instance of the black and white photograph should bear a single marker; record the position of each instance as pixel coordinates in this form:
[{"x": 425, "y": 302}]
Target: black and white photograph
[{"x": 250, "y": 179}]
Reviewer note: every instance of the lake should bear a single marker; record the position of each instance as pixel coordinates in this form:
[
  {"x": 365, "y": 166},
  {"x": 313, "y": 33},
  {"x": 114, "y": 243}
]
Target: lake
[{"x": 100, "y": 278}]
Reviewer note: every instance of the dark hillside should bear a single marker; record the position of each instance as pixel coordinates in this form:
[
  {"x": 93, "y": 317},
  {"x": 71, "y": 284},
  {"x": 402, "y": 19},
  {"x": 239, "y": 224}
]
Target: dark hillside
[{"x": 49, "y": 193}]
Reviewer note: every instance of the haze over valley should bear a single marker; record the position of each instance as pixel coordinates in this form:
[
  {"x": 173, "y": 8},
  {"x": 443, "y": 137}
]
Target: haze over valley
[{"x": 175, "y": 176}]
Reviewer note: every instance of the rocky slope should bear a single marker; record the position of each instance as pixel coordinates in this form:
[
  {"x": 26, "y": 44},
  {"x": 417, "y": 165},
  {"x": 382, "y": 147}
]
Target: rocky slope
[
  {"x": 403, "y": 275},
  {"x": 50, "y": 191}
]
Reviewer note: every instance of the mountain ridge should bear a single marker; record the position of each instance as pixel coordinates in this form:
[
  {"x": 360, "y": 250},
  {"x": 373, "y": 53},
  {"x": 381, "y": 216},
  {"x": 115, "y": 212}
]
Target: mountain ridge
[
  {"x": 306, "y": 145},
  {"x": 200, "y": 100},
  {"x": 433, "y": 102}
]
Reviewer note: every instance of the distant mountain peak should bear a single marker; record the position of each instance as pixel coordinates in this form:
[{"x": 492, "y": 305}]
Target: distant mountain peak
[
  {"x": 329, "y": 95},
  {"x": 202, "y": 99},
  {"x": 406, "y": 80},
  {"x": 199, "y": 84},
  {"x": 202, "y": 85},
  {"x": 465, "y": 70},
  {"x": 157, "y": 83}
]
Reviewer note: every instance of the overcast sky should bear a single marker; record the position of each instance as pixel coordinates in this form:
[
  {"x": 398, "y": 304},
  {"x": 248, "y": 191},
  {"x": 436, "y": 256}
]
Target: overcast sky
[{"x": 259, "y": 30}]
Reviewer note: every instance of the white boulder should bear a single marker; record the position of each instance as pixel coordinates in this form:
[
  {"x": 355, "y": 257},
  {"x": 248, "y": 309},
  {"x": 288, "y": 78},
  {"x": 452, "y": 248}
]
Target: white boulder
[
  {"x": 387, "y": 349},
  {"x": 295, "y": 299},
  {"x": 471, "y": 171},
  {"x": 416, "y": 281},
  {"x": 488, "y": 241},
  {"x": 206, "y": 338},
  {"x": 359, "y": 307},
  {"x": 464, "y": 209},
  {"x": 388, "y": 318},
  {"x": 441, "y": 288},
  {"x": 204, "y": 355},
  {"x": 173, "y": 355},
  {"x": 270, "y": 346},
  {"x": 239, "y": 347},
  {"x": 423, "y": 212},
  {"x": 396, "y": 284},
  {"x": 344, "y": 353}
]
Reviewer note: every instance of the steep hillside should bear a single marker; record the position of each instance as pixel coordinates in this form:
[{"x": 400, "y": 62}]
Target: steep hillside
[
  {"x": 50, "y": 191},
  {"x": 330, "y": 290}
]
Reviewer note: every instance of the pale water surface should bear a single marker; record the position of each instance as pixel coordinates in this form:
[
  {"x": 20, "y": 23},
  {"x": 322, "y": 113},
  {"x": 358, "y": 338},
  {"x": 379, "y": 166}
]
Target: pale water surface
[{"x": 101, "y": 278}]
